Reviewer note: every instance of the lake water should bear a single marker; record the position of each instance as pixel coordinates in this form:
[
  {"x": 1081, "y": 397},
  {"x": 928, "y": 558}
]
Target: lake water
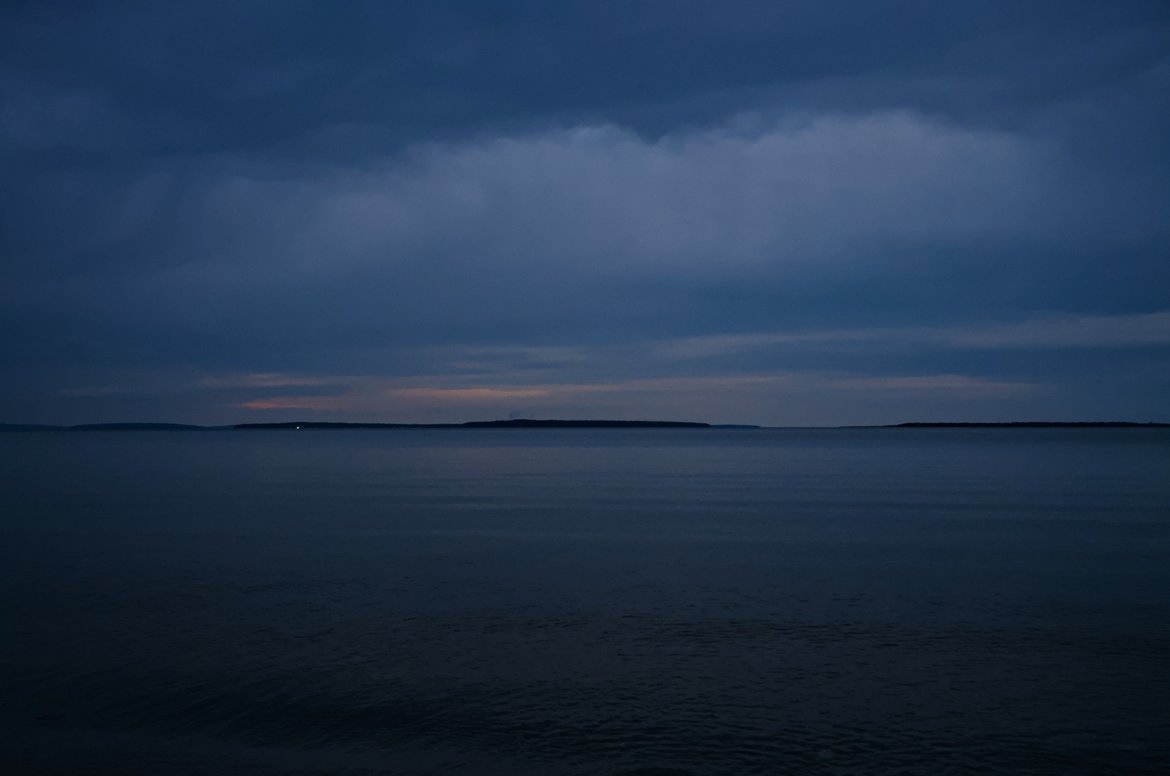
[{"x": 586, "y": 602}]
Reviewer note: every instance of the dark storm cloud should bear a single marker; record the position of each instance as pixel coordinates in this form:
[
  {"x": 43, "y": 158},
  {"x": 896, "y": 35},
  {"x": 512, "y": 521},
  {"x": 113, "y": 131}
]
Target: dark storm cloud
[
  {"x": 260, "y": 77},
  {"x": 362, "y": 192}
]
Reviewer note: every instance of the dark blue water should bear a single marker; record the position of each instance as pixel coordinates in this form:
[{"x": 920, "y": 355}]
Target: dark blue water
[{"x": 586, "y": 602}]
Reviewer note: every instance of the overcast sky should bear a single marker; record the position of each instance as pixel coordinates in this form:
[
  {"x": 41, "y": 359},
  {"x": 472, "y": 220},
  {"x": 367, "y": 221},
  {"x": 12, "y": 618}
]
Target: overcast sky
[{"x": 788, "y": 213}]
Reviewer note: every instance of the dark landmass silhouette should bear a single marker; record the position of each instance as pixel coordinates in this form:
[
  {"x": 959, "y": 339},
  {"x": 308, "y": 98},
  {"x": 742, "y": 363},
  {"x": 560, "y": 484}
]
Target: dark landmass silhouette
[
  {"x": 295, "y": 424},
  {"x": 109, "y": 427},
  {"x": 1033, "y": 424},
  {"x": 536, "y": 424},
  {"x": 308, "y": 425},
  {"x": 138, "y": 427},
  {"x": 485, "y": 424},
  {"x": 583, "y": 424}
]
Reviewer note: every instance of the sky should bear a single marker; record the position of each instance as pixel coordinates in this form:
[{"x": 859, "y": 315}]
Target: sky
[{"x": 739, "y": 211}]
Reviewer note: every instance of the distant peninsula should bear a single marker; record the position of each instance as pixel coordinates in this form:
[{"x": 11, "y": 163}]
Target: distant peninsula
[
  {"x": 309, "y": 425},
  {"x": 524, "y": 423},
  {"x": 1034, "y": 424},
  {"x": 486, "y": 424}
]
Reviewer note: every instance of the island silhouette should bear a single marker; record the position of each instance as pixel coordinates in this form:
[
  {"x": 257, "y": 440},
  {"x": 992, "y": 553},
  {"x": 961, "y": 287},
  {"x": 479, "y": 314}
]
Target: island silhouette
[
  {"x": 313, "y": 424},
  {"x": 515, "y": 423},
  {"x": 308, "y": 425}
]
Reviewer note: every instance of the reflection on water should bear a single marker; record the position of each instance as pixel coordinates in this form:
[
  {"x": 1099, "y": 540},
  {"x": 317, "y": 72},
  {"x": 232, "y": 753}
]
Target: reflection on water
[{"x": 579, "y": 602}]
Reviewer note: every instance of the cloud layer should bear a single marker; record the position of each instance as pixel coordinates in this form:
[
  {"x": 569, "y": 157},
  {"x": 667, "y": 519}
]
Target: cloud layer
[{"x": 927, "y": 212}]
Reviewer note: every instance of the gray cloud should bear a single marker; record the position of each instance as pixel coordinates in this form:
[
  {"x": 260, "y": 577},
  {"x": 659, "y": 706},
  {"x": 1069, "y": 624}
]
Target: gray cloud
[{"x": 308, "y": 190}]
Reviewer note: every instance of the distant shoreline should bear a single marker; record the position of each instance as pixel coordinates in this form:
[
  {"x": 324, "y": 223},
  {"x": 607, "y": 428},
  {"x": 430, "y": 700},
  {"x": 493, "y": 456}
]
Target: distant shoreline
[
  {"x": 481, "y": 424},
  {"x": 1032, "y": 424},
  {"x": 543, "y": 424},
  {"x": 327, "y": 425}
]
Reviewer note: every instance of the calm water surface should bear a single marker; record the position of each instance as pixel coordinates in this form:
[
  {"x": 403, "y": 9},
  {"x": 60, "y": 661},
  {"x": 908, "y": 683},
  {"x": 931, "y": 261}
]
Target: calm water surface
[{"x": 585, "y": 602}]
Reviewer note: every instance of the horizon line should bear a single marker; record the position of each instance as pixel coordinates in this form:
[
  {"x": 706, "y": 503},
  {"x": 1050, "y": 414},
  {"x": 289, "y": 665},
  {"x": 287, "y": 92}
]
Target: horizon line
[{"x": 537, "y": 423}]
